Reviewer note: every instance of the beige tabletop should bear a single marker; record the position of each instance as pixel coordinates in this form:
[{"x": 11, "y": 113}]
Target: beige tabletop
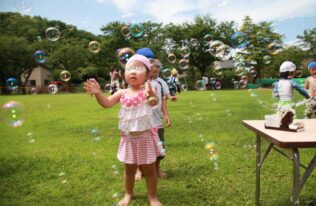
[{"x": 300, "y": 139}]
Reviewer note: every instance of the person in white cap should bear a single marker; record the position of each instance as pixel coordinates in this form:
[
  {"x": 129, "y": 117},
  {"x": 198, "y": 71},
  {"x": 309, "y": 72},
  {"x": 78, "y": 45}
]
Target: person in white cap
[{"x": 283, "y": 89}]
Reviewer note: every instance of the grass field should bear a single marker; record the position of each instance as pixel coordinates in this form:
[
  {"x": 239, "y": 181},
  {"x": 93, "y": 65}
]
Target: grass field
[{"x": 63, "y": 163}]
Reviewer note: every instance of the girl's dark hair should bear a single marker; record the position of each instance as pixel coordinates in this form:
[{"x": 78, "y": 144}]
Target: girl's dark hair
[{"x": 284, "y": 75}]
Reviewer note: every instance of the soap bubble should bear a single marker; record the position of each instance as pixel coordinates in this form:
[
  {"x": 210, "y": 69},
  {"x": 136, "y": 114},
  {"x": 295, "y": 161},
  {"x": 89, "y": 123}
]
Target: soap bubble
[
  {"x": 172, "y": 58},
  {"x": 124, "y": 54},
  {"x": 239, "y": 40},
  {"x": 40, "y": 56},
  {"x": 52, "y": 33},
  {"x": 94, "y": 47},
  {"x": 65, "y": 76},
  {"x": 11, "y": 84},
  {"x": 13, "y": 113}
]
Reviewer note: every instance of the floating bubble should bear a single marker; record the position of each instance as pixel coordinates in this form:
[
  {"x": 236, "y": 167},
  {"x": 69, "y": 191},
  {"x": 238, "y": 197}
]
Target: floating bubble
[
  {"x": 52, "y": 89},
  {"x": 218, "y": 70},
  {"x": 207, "y": 39},
  {"x": 253, "y": 73},
  {"x": 137, "y": 30},
  {"x": 218, "y": 85},
  {"x": 11, "y": 84},
  {"x": 243, "y": 82},
  {"x": 107, "y": 88},
  {"x": 40, "y": 56},
  {"x": 223, "y": 52},
  {"x": 298, "y": 73},
  {"x": 266, "y": 59},
  {"x": 65, "y": 76},
  {"x": 184, "y": 64},
  {"x": 126, "y": 31},
  {"x": 228, "y": 112},
  {"x": 172, "y": 58},
  {"x": 52, "y": 33},
  {"x": 23, "y": 6},
  {"x": 194, "y": 42},
  {"x": 213, "y": 47},
  {"x": 212, "y": 80},
  {"x": 239, "y": 40},
  {"x": 274, "y": 48},
  {"x": 184, "y": 87},
  {"x": 200, "y": 85},
  {"x": 185, "y": 52},
  {"x": 166, "y": 73},
  {"x": 95, "y": 132},
  {"x": 239, "y": 71},
  {"x": 94, "y": 47},
  {"x": 124, "y": 54},
  {"x": 211, "y": 147},
  {"x": 13, "y": 113},
  {"x": 34, "y": 91}
]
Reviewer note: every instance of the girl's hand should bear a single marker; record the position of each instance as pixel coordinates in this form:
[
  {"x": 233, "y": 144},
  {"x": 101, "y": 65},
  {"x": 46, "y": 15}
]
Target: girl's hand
[
  {"x": 92, "y": 87},
  {"x": 148, "y": 89}
]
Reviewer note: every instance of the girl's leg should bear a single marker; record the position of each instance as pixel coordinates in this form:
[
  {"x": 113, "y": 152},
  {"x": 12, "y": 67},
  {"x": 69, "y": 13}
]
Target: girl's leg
[
  {"x": 129, "y": 179},
  {"x": 139, "y": 174},
  {"x": 159, "y": 172},
  {"x": 151, "y": 177}
]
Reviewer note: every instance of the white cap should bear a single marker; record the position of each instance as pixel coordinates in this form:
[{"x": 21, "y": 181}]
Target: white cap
[{"x": 287, "y": 66}]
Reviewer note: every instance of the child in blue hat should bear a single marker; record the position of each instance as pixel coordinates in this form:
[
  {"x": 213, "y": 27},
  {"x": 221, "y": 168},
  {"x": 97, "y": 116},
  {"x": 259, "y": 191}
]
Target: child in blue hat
[{"x": 310, "y": 86}]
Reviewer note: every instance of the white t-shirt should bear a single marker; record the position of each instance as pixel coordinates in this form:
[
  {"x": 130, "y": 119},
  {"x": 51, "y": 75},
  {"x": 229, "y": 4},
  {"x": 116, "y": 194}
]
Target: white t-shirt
[
  {"x": 165, "y": 87},
  {"x": 157, "y": 111}
]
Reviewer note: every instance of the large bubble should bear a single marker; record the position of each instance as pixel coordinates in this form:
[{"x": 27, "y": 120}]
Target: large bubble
[
  {"x": 200, "y": 85},
  {"x": 124, "y": 54},
  {"x": 239, "y": 40},
  {"x": 52, "y": 33},
  {"x": 218, "y": 85},
  {"x": 223, "y": 52},
  {"x": 184, "y": 64},
  {"x": 185, "y": 52},
  {"x": 266, "y": 59},
  {"x": 298, "y": 74},
  {"x": 243, "y": 82},
  {"x": 166, "y": 73},
  {"x": 137, "y": 30},
  {"x": 11, "y": 84},
  {"x": 172, "y": 58},
  {"x": 126, "y": 31},
  {"x": 52, "y": 89},
  {"x": 194, "y": 42},
  {"x": 274, "y": 48},
  {"x": 13, "y": 113},
  {"x": 94, "y": 47},
  {"x": 40, "y": 56},
  {"x": 213, "y": 47},
  {"x": 207, "y": 39},
  {"x": 212, "y": 150},
  {"x": 253, "y": 73},
  {"x": 239, "y": 71},
  {"x": 23, "y": 6},
  {"x": 65, "y": 76}
]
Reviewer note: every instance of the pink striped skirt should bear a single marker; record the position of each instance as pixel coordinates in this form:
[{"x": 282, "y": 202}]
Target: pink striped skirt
[{"x": 141, "y": 149}]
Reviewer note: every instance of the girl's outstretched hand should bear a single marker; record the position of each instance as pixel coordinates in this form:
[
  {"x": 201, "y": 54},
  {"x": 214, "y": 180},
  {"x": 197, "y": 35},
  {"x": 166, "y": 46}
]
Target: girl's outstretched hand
[
  {"x": 92, "y": 87},
  {"x": 150, "y": 94}
]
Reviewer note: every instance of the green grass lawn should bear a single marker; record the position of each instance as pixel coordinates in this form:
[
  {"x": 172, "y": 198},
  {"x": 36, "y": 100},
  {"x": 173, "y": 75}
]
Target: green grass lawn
[{"x": 63, "y": 163}]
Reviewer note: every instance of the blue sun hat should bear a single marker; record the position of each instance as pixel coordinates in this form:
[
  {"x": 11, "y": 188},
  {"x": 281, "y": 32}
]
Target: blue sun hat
[
  {"x": 147, "y": 52},
  {"x": 311, "y": 65}
]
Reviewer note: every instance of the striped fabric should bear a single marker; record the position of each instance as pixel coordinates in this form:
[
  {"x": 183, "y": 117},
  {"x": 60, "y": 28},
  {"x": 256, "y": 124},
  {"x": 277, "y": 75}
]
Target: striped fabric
[{"x": 142, "y": 149}]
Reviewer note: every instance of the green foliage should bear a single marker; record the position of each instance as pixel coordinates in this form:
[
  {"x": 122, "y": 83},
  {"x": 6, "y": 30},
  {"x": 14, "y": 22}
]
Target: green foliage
[{"x": 22, "y": 35}]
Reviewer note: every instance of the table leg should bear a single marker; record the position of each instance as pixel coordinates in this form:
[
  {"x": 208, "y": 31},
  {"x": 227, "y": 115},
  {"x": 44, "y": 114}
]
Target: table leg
[
  {"x": 258, "y": 159},
  {"x": 296, "y": 176}
]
